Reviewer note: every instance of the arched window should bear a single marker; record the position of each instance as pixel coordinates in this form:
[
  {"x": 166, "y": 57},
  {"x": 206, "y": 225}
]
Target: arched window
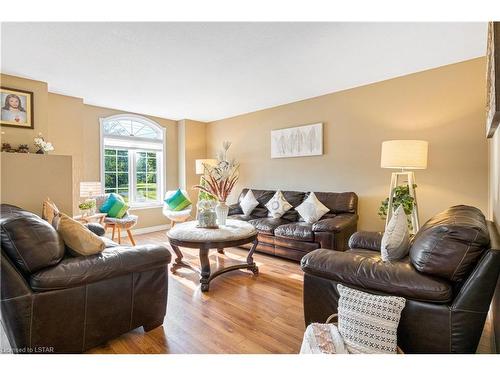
[{"x": 132, "y": 158}]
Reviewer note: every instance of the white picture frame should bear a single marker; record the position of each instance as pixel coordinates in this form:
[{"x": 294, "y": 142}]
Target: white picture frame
[{"x": 298, "y": 141}]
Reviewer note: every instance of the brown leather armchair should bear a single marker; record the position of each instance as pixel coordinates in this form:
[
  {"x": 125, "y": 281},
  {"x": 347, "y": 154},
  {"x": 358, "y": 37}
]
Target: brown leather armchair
[
  {"x": 448, "y": 280},
  {"x": 53, "y": 302}
]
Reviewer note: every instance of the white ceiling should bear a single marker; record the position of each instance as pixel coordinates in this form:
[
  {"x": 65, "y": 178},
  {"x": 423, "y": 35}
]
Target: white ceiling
[{"x": 209, "y": 71}]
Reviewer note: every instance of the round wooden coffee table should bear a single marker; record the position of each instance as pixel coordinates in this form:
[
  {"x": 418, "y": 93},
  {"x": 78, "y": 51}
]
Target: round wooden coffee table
[{"x": 234, "y": 233}]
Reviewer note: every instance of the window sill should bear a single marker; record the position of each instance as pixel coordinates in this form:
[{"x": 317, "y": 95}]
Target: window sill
[{"x": 146, "y": 206}]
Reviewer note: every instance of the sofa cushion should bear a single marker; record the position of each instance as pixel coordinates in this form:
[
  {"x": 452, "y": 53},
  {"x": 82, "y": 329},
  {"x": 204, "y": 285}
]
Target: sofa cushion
[
  {"x": 30, "y": 242},
  {"x": 78, "y": 238},
  {"x": 241, "y": 217},
  {"x": 278, "y": 205},
  {"x": 267, "y": 225},
  {"x": 248, "y": 203},
  {"x": 450, "y": 243},
  {"x": 112, "y": 262},
  {"x": 365, "y": 270},
  {"x": 300, "y": 231}
]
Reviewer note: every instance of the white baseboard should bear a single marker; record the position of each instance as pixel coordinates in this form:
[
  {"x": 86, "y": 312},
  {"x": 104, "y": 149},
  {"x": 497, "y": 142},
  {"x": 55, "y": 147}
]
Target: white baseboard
[{"x": 155, "y": 228}]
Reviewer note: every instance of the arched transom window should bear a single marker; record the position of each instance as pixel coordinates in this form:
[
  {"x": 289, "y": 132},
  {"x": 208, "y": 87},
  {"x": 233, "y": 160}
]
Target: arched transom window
[{"x": 132, "y": 158}]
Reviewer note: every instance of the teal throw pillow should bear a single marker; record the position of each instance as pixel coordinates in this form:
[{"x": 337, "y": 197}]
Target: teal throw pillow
[
  {"x": 106, "y": 206},
  {"x": 118, "y": 210},
  {"x": 177, "y": 201}
]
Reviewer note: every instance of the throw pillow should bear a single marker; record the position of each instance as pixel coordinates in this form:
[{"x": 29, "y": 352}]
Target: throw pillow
[
  {"x": 278, "y": 205},
  {"x": 177, "y": 201},
  {"x": 49, "y": 211},
  {"x": 311, "y": 210},
  {"x": 396, "y": 238},
  {"x": 109, "y": 202},
  {"x": 78, "y": 238},
  {"x": 367, "y": 322},
  {"x": 248, "y": 203}
]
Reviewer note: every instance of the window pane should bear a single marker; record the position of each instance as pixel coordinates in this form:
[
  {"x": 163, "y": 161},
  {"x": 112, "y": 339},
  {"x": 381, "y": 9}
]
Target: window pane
[
  {"x": 151, "y": 178},
  {"x": 109, "y": 152},
  {"x": 110, "y": 163},
  {"x": 110, "y": 191},
  {"x": 123, "y": 153},
  {"x": 141, "y": 179},
  {"x": 141, "y": 194},
  {"x": 151, "y": 164},
  {"x": 109, "y": 180},
  {"x": 123, "y": 180},
  {"x": 141, "y": 163},
  {"x": 123, "y": 165},
  {"x": 124, "y": 194},
  {"x": 151, "y": 193},
  {"x": 152, "y": 155}
]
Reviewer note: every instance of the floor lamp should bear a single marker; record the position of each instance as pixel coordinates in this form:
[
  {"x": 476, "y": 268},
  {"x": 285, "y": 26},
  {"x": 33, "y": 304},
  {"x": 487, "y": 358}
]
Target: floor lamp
[{"x": 405, "y": 155}]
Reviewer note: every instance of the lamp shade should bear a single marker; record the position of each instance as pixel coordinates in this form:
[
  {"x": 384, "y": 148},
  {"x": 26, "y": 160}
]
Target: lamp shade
[
  {"x": 200, "y": 169},
  {"x": 404, "y": 154},
  {"x": 89, "y": 189}
]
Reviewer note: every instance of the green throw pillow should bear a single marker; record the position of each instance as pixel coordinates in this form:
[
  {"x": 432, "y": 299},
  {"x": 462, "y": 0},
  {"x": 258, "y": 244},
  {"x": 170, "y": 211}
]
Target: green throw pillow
[
  {"x": 177, "y": 201},
  {"x": 118, "y": 210}
]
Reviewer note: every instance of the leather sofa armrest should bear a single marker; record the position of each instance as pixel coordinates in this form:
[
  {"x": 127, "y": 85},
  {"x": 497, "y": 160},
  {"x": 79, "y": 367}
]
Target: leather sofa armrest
[
  {"x": 112, "y": 262},
  {"x": 335, "y": 224},
  {"x": 96, "y": 228},
  {"x": 369, "y": 273},
  {"x": 235, "y": 209},
  {"x": 366, "y": 240}
]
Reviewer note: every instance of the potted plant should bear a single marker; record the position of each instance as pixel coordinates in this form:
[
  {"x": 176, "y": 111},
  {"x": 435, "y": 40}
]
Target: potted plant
[
  {"x": 87, "y": 207},
  {"x": 401, "y": 197},
  {"x": 42, "y": 145},
  {"x": 218, "y": 181}
]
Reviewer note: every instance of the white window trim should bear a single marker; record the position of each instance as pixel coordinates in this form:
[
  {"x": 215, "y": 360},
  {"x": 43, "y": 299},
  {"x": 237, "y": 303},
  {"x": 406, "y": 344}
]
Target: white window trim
[{"x": 161, "y": 167}]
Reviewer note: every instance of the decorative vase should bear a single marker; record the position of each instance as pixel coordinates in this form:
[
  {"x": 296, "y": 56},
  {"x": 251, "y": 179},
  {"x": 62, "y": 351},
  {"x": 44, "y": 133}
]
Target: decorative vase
[
  {"x": 207, "y": 218},
  {"x": 222, "y": 210},
  {"x": 40, "y": 151}
]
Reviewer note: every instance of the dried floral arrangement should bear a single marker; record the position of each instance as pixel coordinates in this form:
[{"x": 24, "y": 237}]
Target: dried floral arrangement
[{"x": 218, "y": 181}]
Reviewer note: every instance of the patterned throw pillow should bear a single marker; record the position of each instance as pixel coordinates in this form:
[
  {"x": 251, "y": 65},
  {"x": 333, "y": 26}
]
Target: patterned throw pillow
[
  {"x": 248, "y": 203},
  {"x": 367, "y": 322},
  {"x": 278, "y": 205},
  {"x": 177, "y": 201},
  {"x": 311, "y": 210},
  {"x": 114, "y": 206},
  {"x": 396, "y": 238}
]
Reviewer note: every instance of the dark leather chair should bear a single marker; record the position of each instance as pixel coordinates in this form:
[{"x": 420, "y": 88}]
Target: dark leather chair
[
  {"x": 54, "y": 302},
  {"x": 289, "y": 236},
  {"x": 448, "y": 280}
]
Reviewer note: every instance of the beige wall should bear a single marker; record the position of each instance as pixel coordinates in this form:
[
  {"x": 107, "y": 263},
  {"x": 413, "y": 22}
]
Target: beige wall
[
  {"x": 444, "y": 106},
  {"x": 27, "y": 179},
  {"x": 494, "y": 179},
  {"x": 192, "y": 146}
]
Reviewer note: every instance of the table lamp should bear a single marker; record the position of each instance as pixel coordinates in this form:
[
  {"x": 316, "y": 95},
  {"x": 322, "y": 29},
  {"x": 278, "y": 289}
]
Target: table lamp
[
  {"x": 405, "y": 155},
  {"x": 89, "y": 190},
  {"x": 201, "y": 163}
]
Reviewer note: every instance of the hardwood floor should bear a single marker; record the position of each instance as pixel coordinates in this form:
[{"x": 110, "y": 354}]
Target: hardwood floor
[{"x": 241, "y": 313}]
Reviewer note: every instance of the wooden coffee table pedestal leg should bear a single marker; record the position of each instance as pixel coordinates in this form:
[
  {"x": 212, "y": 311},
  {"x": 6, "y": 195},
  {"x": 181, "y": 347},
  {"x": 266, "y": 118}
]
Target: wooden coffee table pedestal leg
[{"x": 204, "y": 249}]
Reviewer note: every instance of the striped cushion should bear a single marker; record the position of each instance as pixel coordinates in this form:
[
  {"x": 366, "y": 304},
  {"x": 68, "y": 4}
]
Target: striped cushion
[
  {"x": 367, "y": 322},
  {"x": 114, "y": 206},
  {"x": 177, "y": 201}
]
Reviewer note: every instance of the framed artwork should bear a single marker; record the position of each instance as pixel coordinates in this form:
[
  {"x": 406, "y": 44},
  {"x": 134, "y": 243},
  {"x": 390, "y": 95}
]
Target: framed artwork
[
  {"x": 17, "y": 108},
  {"x": 305, "y": 140},
  {"x": 493, "y": 79}
]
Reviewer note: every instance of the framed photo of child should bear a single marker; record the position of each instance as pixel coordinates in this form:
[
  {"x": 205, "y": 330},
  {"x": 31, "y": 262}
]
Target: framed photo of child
[{"x": 17, "y": 108}]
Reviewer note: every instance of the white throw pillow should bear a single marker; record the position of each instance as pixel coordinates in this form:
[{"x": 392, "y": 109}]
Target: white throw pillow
[
  {"x": 311, "y": 210},
  {"x": 367, "y": 322},
  {"x": 248, "y": 203},
  {"x": 396, "y": 238},
  {"x": 278, "y": 205}
]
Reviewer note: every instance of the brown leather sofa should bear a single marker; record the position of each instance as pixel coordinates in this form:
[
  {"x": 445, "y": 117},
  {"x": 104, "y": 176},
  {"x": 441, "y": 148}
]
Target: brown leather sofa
[
  {"x": 448, "y": 280},
  {"x": 289, "y": 236},
  {"x": 53, "y": 302}
]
